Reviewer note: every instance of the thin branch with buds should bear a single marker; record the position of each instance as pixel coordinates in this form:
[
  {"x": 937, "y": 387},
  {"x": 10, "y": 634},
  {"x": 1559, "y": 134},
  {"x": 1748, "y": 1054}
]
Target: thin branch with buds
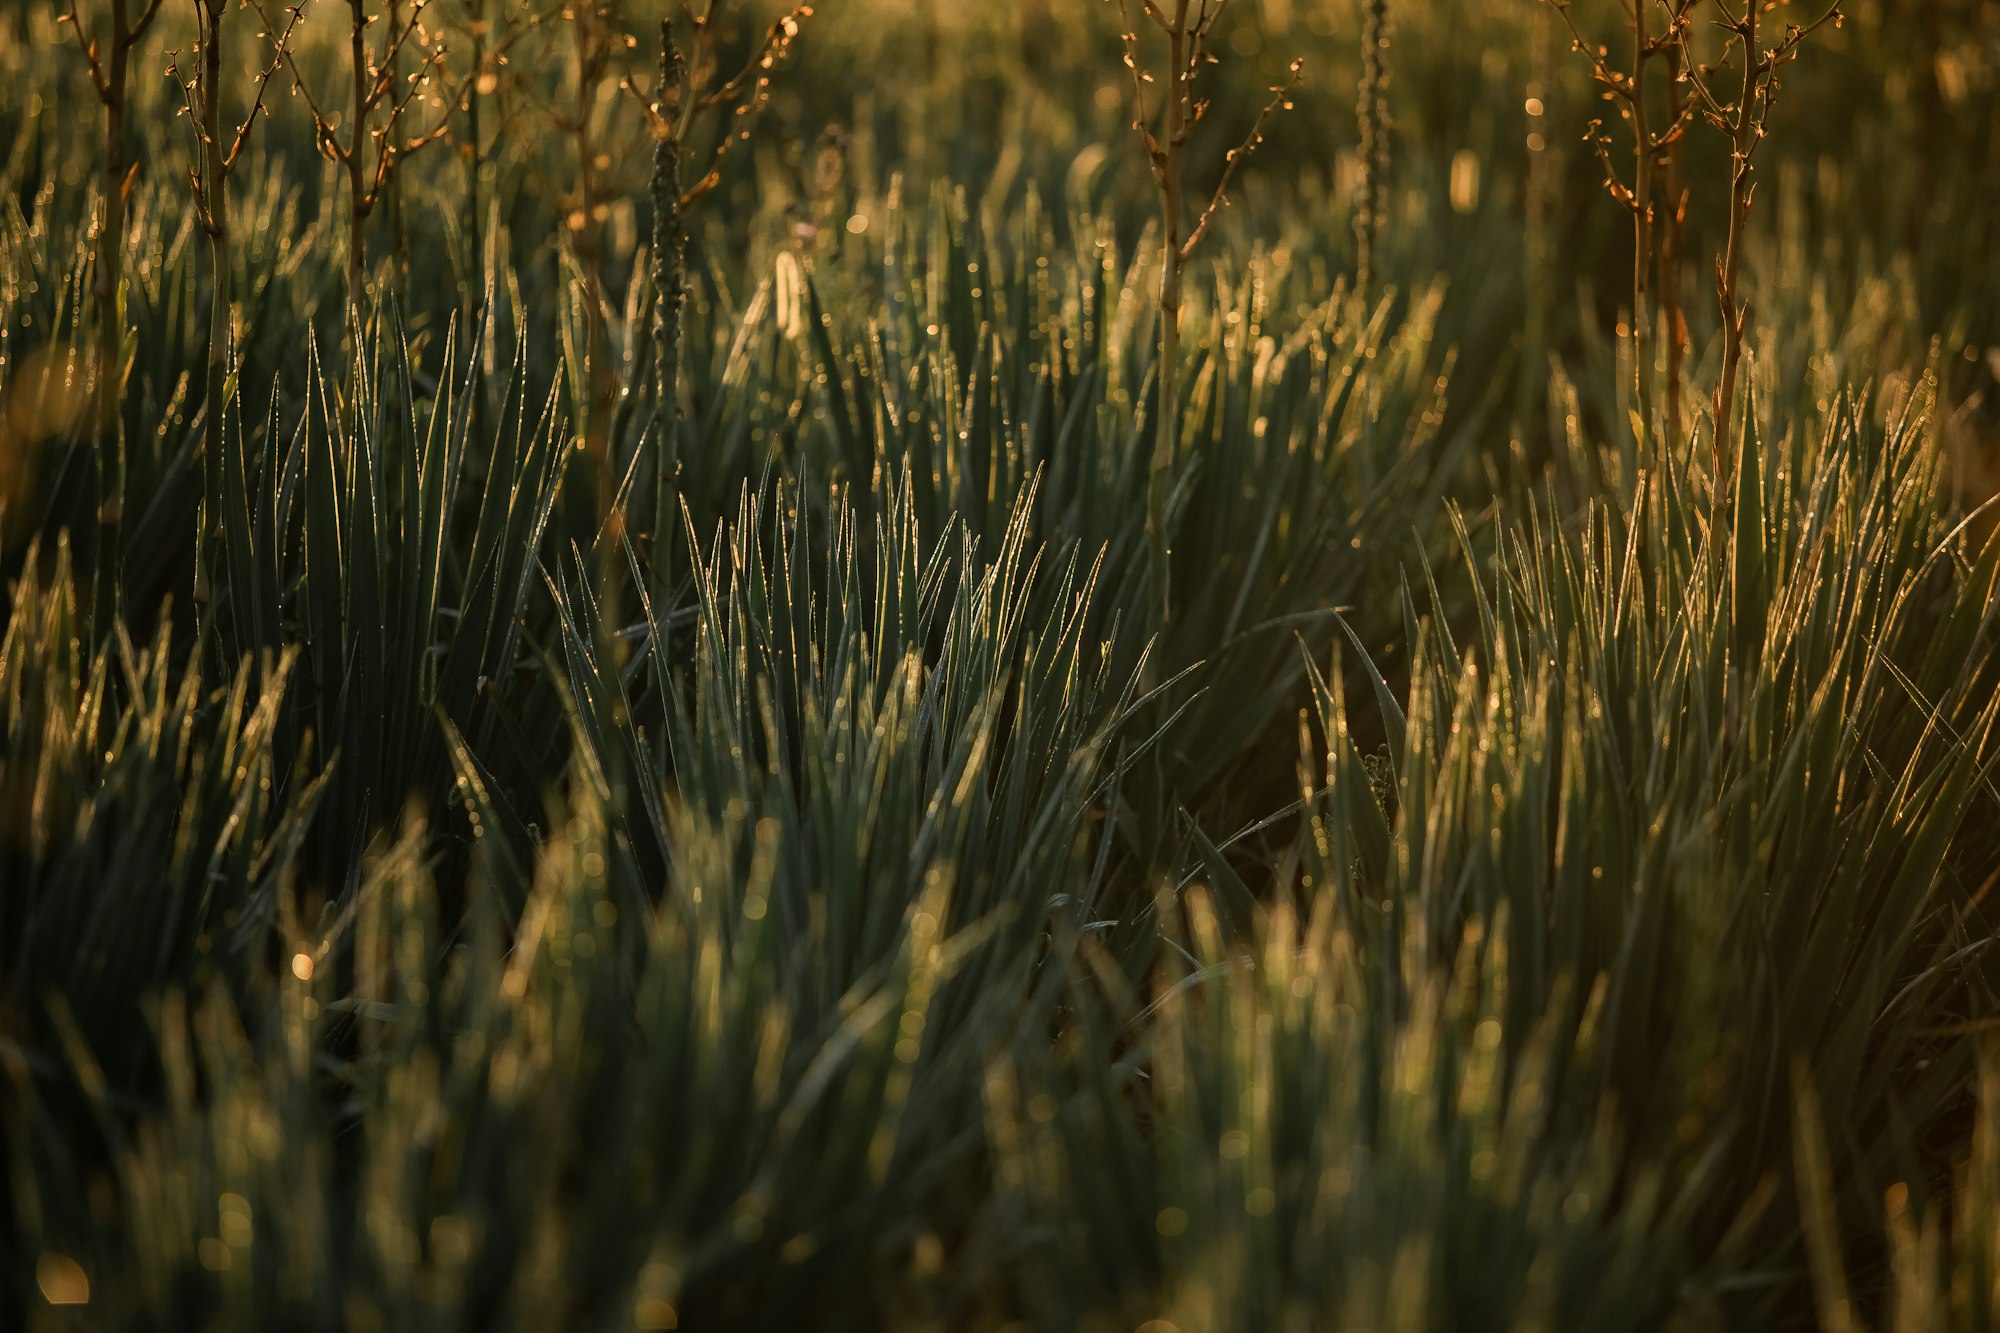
[
  {"x": 1745, "y": 122},
  {"x": 684, "y": 91},
  {"x": 125, "y": 34},
  {"x": 1281, "y": 99},
  {"x": 674, "y": 112},
  {"x": 383, "y": 101},
  {"x": 214, "y": 164},
  {"x": 1630, "y": 90},
  {"x": 1671, "y": 235},
  {"x": 1186, "y": 27},
  {"x": 668, "y": 272},
  {"x": 218, "y": 150}
]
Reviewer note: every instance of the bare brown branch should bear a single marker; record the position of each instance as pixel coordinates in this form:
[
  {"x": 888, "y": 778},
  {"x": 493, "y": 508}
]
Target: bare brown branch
[{"x": 1281, "y": 98}]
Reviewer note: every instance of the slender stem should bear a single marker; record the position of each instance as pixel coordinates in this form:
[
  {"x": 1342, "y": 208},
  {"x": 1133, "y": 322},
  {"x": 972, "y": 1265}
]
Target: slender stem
[
  {"x": 1743, "y": 130},
  {"x": 110, "y": 258},
  {"x": 359, "y": 202},
  {"x": 214, "y": 189},
  {"x": 1372, "y": 113},
  {"x": 669, "y": 277},
  {"x": 107, "y": 281},
  {"x": 391, "y": 187},
  {"x": 586, "y": 244},
  {"x": 1673, "y": 224},
  {"x": 1643, "y": 257},
  {"x": 1166, "y": 438},
  {"x": 478, "y": 310},
  {"x": 216, "y": 205},
  {"x": 476, "y": 263}
]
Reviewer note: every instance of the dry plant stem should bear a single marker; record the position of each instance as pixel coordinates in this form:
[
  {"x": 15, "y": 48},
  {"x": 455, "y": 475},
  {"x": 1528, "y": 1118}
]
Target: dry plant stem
[
  {"x": 592, "y": 38},
  {"x": 392, "y": 193},
  {"x": 217, "y": 154},
  {"x": 215, "y": 216},
  {"x": 1745, "y": 123},
  {"x": 380, "y": 102},
  {"x": 1672, "y": 233},
  {"x": 591, "y": 56},
  {"x": 669, "y": 277},
  {"x": 1372, "y": 114},
  {"x": 1643, "y": 316},
  {"x": 1167, "y": 437},
  {"x": 106, "y": 279},
  {"x": 686, "y": 90},
  {"x": 472, "y": 148},
  {"x": 741, "y": 97},
  {"x": 359, "y": 204},
  {"x": 1629, "y": 89},
  {"x": 1742, "y": 189},
  {"x": 483, "y": 122},
  {"x": 1186, "y": 26},
  {"x": 475, "y": 206}
]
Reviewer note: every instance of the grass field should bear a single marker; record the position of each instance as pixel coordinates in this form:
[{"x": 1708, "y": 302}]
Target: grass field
[{"x": 814, "y": 702}]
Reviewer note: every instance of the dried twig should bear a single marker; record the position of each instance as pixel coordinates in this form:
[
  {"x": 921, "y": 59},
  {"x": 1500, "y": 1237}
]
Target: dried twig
[
  {"x": 391, "y": 116},
  {"x": 675, "y": 112},
  {"x": 218, "y": 150},
  {"x": 1630, "y": 89},
  {"x": 1372, "y": 116},
  {"x": 682, "y": 93},
  {"x": 668, "y": 272},
  {"x": 1186, "y": 27},
  {"x": 1745, "y": 121}
]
